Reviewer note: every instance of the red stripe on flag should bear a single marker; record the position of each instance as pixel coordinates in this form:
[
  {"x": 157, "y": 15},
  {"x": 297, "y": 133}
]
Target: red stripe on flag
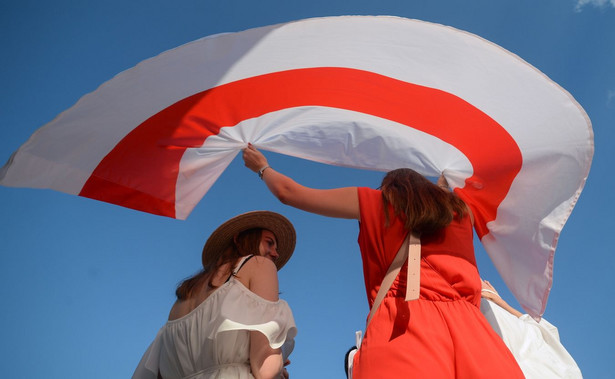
[{"x": 141, "y": 171}]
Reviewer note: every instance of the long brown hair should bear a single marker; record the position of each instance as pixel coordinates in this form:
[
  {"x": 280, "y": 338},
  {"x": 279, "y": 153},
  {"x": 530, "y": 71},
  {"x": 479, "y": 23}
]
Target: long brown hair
[
  {"x": 424, "y": 207},
  {"x": 247, "y": 242}
]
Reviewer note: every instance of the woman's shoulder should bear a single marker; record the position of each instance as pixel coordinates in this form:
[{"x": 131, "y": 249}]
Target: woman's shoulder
[
  {"x": 258, "y": 264},
  {"x": 260, "y": 275},
  {"x": 370, "y": 203},
  {"x": 368, "y": 196},
  {"x": 258, "y": 269},
  {"x": 368, "y": 191}
]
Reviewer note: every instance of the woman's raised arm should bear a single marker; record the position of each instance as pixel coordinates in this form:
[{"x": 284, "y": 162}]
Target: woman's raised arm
[{"x": 337, "y": 202}]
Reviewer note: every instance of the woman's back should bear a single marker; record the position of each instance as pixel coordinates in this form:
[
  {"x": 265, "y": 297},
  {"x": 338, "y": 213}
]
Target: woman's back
[
  {"x": 182, "y": 307},
  {"x": 441, "y": 334},
  {"x": 211, "y": 339}
]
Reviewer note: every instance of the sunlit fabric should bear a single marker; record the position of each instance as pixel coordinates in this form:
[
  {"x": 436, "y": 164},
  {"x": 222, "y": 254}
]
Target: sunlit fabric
[{"x": 370, "y": 92}]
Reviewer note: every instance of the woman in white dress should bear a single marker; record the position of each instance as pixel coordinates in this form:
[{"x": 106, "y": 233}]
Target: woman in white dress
[{"x": 228, "y": 321}]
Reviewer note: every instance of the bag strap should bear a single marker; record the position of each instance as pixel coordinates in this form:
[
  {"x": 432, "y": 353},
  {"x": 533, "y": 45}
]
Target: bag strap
[
  {"x": 413, "y": 285},
  {"x": 410, "y": 249}
]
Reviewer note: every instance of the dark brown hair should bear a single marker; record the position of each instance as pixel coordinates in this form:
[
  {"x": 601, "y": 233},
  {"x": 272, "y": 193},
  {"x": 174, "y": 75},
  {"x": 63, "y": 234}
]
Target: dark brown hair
[
  {"x": 247, "y": 242},
  {"x": 424, "y": 207}
]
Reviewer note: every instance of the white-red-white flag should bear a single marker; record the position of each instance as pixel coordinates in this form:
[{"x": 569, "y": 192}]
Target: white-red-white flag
[{"x": 375, "y": 93}]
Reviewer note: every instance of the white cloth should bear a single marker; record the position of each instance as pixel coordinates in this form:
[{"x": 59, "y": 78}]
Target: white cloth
[
  {"x": 213, "y": 340},
  {"x": 367, "y": 92},
  {"x": 535, "y": 345}
]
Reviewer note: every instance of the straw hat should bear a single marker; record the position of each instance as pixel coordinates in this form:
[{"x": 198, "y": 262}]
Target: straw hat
[{"x": 222, "y": 237}]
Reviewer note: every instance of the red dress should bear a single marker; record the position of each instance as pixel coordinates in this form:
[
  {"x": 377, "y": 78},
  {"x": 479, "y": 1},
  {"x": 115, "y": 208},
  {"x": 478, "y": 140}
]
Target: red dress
[{"x": 440, "y": 335}]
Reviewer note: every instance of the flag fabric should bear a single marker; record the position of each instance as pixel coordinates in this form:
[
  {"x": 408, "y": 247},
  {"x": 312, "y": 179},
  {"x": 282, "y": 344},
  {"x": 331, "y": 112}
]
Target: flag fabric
[{"x": 369, "y": 92}]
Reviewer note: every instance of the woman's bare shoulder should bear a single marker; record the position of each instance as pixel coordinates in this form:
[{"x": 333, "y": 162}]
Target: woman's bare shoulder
[
  {"x": 260, "y": 276},
  {"x": 258, "y": 266}
]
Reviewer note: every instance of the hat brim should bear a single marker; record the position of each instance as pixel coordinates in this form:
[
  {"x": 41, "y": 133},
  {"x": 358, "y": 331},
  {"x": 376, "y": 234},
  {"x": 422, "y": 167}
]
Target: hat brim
[{"x": 222, "y": 237}]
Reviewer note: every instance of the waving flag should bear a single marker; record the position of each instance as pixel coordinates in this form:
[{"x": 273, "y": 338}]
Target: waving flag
[{"x": 374, "y": 93}]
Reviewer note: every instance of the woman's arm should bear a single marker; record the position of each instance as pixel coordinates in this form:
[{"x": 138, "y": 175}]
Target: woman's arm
[
  {"x": 337, "y": 202},
  {"x": 489, "y": 293},
  {"x": 265, "y": 362},
  {"x": 261, "y": 276}
]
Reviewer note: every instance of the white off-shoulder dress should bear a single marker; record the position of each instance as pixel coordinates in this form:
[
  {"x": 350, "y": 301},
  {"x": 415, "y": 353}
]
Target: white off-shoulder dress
[{"x": 213, "y": 341}]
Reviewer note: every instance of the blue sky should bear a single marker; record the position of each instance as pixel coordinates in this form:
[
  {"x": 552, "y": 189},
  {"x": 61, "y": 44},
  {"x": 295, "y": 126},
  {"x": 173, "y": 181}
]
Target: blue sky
[{"x": 85, "y": 285}]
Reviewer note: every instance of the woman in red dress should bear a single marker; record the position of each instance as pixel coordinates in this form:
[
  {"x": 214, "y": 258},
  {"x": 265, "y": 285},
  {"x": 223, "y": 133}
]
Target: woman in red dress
[{"x": 442, "y": 334}]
